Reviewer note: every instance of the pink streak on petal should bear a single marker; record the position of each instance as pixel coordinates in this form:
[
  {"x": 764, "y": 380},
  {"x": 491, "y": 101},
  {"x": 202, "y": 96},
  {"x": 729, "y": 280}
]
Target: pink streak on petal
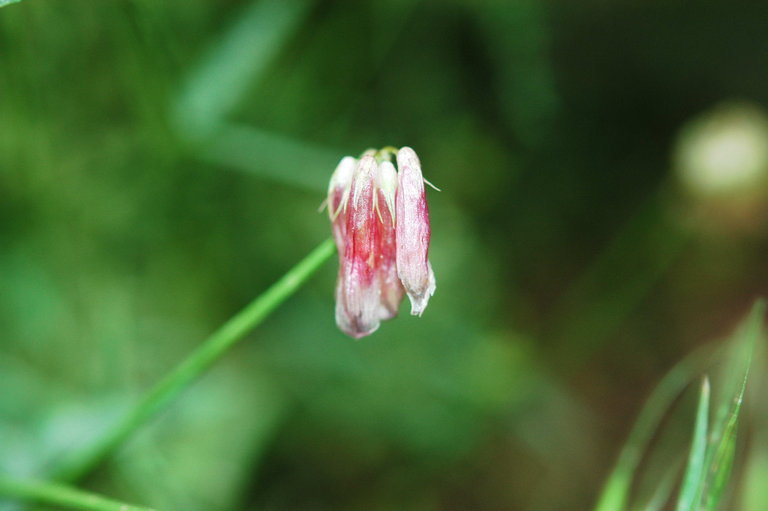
[
  {"x": 358, "y": 290},
  {"x": 392, "y": 291}
]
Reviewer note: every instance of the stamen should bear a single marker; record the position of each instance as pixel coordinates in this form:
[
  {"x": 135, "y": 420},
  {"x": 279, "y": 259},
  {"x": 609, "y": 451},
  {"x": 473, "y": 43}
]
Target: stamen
[
  {"x": 431, "y": 185},
  {"x": 376, "y": 204}
]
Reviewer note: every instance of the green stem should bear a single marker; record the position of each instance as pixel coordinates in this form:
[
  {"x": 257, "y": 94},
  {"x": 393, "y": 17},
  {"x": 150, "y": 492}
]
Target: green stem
[
  {"x": 62, "y": 496},
  {"x": 196, "y": 363}
]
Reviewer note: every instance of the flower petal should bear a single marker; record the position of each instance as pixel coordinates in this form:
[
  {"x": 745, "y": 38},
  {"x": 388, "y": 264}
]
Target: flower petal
[
  {"x": 392, "y": 292},
  {"x": 413, "y": 232},
  {"x": 358, "y": 289}
]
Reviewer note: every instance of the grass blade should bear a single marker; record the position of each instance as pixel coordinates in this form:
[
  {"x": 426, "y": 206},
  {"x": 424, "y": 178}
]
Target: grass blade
[
  {"x": 755, "y": 491},
  {"x": 3, "y": 3},
  {"x": 691, "y": 489},
  {"x": 587, "y": 315},
  {"x": 722, "y": 430},
  {"x": 271, "y": 156},
  {"x": 661, "y": 494},
  {"x": 232, "y": 64},
  {"x": 615, "y": 493},
  {"x": 722, "y": 442},
  {"x": 211, "y": 350},
  {"x": 62, "y": 496}
]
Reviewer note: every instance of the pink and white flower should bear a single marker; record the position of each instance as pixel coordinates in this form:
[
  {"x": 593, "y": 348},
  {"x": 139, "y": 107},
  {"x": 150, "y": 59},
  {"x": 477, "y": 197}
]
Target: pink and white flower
[{"x": 380, "y": 223}]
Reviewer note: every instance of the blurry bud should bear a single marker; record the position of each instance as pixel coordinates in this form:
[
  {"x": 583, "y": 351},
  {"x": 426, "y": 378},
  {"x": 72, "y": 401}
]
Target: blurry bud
[
  {"x": 380, "y": 224},
  {"x": 721, "y": 162},
  {"x": 413, "y": 232}
]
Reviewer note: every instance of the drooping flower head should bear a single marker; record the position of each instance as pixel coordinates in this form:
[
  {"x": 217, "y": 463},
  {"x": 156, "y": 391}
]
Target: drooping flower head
[{"x": 380, "y": 223}]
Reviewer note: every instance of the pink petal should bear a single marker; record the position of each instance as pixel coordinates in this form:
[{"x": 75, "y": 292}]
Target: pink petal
[
  {"x": 358, "y": 290},
  {"x": 413, "y": 232}
]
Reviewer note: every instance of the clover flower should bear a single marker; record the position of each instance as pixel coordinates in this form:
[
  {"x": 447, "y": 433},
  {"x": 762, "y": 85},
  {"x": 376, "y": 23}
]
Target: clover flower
[{"x": 380, "y": 222}]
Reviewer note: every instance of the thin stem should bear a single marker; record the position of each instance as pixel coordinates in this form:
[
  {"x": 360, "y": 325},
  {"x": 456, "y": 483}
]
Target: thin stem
[
  {"x": 62, "y": 496},
  {"x": 3, "y": 3},
  {"x": 196, "y": 363}
]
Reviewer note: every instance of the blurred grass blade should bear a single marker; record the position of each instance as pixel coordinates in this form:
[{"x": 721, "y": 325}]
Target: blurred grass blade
[
  {"x": 720, "y": 446},
  {"x": 211, "y": 350},
  {"x": 722, "y": 443},
  {"x": 755, "y": 491},
  {"x": 691, "y": 489},
  {"x": 61, "y": 496},
  {"x": 588, "y": 314},
  {"x": 275, "y": 157},
  {"x": 220, "y": 81},
  {"x": 721, "y": 470},
  {"x": 3, "y": 3},
  {"x": 615, "y": 492},
  {"x": 528, "y": 94},
  {"x": 660, "y": 497}
]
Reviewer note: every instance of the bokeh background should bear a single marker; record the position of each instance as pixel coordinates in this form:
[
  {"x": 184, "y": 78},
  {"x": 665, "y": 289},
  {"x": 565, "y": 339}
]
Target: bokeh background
[{"x": 604, "y": 211}]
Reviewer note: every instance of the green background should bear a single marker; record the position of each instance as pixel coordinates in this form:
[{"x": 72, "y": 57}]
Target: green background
[{"x": 161, "y": 164}]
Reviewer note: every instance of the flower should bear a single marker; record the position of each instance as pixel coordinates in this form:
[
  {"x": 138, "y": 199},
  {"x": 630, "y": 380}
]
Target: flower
[{"x": 380, "y": 224}]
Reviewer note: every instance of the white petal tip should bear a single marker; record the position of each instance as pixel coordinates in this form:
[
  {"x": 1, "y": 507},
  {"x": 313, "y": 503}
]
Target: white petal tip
[
  {"x": 419, "y": 302},
  {"x": 356, "y": 332}
]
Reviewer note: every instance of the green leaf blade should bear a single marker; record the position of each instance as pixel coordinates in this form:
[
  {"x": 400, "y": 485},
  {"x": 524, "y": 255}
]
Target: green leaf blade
[
  {"x": 615, "y": 493},
  {"x": 693, "y": 480},
  {"x": 722, "y": 443}
]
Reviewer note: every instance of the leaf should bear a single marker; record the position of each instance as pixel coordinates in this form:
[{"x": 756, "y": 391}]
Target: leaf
[
  {"x": 234, "y": 63},
  {"x": 726, "y": 400},
  {"x": 755, "y": 491},
  {"x": 658, "y": 500},
  {"x": 269, "y": 155},
  {"x": 722, "y": 442},
  {"x": 690, "y": 492},
  {"x": 615, "y": 492},
  {"x": 61, "y": 496}
]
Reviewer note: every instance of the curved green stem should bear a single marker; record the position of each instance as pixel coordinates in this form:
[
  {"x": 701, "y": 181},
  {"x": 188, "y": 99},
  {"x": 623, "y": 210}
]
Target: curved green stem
[
  {"x": 197, "y": 362},
  {"x": 62, "y": 496}
]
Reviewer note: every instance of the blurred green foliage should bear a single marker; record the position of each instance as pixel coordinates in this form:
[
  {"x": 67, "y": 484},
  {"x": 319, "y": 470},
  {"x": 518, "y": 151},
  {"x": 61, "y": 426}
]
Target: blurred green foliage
[{"x": 161, "y": 163}]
